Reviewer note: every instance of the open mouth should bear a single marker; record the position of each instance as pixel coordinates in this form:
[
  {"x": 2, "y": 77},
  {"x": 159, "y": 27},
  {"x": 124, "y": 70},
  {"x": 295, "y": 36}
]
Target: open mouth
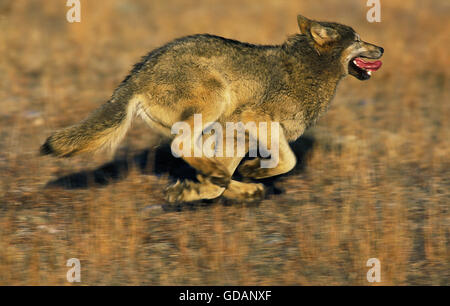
[{"x": 363, "y": 69}]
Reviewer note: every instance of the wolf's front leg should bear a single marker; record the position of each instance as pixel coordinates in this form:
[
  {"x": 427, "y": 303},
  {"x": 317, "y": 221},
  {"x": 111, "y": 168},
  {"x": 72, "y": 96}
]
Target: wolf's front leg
[
  {"x": 286, "y": 161},
  {"x": 194, "y": 154}
]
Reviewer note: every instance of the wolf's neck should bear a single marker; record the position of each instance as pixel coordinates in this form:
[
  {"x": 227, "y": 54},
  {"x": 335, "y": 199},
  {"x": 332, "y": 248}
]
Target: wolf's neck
[
  {"x": 312, "y": 79},
  {"x": 299, "y": 53}
]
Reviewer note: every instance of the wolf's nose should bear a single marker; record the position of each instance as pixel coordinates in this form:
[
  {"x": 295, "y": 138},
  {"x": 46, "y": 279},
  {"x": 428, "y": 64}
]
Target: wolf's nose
[{"x": 381, "y": 50}]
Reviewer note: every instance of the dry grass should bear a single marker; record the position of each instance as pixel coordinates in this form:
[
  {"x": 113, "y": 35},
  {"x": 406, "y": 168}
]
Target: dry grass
[{"x": 374, "y": 183}]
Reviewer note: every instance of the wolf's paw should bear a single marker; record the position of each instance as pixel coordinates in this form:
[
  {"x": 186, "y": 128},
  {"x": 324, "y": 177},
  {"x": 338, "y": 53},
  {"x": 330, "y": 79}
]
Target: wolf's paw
[
  {"x": 252, "y": 169},
  {"x": 177, "y": 192},
  {"x": 188, "y": 191},
  {"x": 245, "y": 192}
]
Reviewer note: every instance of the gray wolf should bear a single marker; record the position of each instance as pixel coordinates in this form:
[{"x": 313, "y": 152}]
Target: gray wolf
[{"x": 226, "y": 80}]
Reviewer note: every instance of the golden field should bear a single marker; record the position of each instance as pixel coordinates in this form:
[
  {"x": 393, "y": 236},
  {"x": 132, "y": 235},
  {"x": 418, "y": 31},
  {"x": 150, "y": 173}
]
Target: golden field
[{"x": 372, "y": 179}]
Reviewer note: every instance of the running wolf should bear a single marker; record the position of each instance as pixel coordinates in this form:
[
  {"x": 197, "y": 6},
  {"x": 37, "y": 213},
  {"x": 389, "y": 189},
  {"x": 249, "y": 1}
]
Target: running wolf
[{"x": 226, "y": 80}]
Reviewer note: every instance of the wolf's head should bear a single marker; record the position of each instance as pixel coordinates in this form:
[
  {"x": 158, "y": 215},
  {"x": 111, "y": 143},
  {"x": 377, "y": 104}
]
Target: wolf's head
[{"x": 343, "y": 44}]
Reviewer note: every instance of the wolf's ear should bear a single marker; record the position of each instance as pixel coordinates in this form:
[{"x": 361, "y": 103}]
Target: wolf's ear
[
  {"x": 304, "y": 24},
  {"x": 322, "y": 34}
]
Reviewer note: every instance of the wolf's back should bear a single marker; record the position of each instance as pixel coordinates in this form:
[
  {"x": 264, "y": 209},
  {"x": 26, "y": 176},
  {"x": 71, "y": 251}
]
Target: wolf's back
[{"x": 103, "y": 128}]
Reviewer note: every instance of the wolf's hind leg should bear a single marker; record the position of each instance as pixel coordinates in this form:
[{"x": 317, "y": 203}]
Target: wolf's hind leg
[
  {"x": 214, "y": 168},
  {"x": 206, "y": 188}
]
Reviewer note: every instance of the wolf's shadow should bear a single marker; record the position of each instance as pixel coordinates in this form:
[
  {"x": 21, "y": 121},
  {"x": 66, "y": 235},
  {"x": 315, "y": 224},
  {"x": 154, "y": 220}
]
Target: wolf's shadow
[{"x": 160, "y": 161}]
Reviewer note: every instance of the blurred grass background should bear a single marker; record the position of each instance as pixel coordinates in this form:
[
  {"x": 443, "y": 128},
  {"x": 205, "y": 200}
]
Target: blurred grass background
[{"x": 373, "y": 182}]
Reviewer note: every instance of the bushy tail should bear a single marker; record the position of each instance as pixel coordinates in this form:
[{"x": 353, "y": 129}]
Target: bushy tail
[{"x": 104, "y": 128}]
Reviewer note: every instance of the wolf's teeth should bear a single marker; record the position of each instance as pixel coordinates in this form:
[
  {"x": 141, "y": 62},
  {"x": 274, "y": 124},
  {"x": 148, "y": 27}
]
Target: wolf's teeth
[
  {"x": 369, "y": 72},
  {"x": 354, "y": 62}
]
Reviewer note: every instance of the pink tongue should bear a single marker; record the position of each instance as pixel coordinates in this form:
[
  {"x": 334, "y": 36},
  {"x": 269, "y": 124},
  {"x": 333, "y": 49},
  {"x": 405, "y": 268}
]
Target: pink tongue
[{"x": 371, "y": 66}]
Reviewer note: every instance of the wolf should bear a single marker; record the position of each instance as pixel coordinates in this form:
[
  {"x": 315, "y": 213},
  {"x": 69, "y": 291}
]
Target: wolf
[{"x": 225, "y": 80}]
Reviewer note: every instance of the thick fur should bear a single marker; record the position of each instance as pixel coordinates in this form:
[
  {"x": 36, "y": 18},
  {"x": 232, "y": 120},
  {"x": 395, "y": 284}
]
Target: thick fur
[
  {"x": 226, "y": 81},
  {"x": 104, "y": 128}
]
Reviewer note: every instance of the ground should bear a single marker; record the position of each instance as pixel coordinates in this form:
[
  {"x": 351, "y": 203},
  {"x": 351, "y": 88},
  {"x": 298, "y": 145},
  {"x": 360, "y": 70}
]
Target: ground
[{"x": 372, "y": 179}]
